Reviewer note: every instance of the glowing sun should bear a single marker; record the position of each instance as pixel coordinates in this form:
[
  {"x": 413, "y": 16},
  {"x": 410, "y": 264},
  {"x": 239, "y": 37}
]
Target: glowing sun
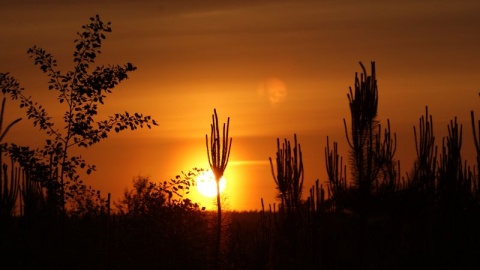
[{"x": 206, "y": 184}]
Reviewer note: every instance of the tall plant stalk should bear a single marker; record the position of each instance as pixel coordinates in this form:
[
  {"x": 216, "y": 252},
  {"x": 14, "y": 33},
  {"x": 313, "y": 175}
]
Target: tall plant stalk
[{"x": 218, "y": 152}]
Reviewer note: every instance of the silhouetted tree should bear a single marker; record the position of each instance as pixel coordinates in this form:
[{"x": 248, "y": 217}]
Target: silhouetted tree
[
  {"x": 157, "y": 226},
  {"x": 145, "y": 198},
  {"x": 148, "y": 197},
  {"x": 82, "y": 90}
]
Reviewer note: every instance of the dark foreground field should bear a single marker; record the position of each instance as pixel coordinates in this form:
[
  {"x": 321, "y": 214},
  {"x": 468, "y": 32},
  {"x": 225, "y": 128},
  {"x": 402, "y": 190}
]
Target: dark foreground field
[{"x": 179, "y": 239}]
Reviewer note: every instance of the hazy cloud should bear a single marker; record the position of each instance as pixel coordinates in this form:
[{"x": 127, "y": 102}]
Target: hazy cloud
[{"x": 274, "y": 90}]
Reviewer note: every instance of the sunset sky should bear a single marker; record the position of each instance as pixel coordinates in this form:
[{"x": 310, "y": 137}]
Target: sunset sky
[{"x": 276, "y": 68}]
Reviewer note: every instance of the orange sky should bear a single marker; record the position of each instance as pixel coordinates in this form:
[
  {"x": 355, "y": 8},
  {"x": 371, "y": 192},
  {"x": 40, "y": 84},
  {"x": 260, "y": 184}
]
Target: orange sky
[{"x": 194, "y": 56}]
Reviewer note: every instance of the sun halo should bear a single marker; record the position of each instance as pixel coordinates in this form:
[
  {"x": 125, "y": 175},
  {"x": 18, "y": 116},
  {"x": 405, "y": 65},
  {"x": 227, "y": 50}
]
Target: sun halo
[{"x": 207, "y": 186}]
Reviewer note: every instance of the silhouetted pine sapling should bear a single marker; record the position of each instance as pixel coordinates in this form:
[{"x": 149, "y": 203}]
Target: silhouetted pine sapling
[
  {"x": 82, "y": 90},
  {"x": 218, "y": 152},
  {"x": 476, "y": 140},
  {"x": 422, "y": 178},
  {"x": 263, "y": 239},
  {"x": 454, "y": 179},
  {"x": 337, "y": 176},
  {"x": 372, "y": 158},
  {"x": 315, "y": 208},
  {"x": 363, "y": 101},
  {"x": 388, "y": 177},
  {"x": 270, "y": 239},
  {"x": 315, "y": 200},
  {"x": 288, "y": 175}
]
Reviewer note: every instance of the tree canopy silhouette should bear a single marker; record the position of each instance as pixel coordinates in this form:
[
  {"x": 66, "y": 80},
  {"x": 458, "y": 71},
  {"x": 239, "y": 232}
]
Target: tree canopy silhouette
[{"x": 81, "y": 90}]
